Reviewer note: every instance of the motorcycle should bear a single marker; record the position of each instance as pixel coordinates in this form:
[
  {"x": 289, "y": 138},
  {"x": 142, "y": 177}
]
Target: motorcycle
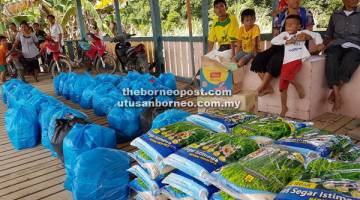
[
  {"x": 14, "y": 67},
  {"x": 94, "y": 52},
  {"x": 131, "y": 58},
  {"x": 57, "y": 62}
]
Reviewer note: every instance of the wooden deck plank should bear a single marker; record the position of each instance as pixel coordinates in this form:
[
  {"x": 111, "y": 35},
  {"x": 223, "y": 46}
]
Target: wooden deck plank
[
  {"x": 44, "y": 193},
  {"x": 35, "y": 185},
  {"x": 338, "y": 124},
  {"x": 63, "y": 195},
  {"x": 20, "y": 158}
]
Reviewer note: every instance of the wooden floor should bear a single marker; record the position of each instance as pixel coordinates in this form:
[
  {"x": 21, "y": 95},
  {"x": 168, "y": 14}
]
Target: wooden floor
[{"x": 33, "y": 174}]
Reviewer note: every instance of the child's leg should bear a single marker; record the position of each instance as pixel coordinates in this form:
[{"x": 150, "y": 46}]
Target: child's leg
[
  {"x": 242, "y": 62},
  {"x": 265, "y": 87},
  {"x": 299, "y": 88},
  {"x": 284, "y": 107}
]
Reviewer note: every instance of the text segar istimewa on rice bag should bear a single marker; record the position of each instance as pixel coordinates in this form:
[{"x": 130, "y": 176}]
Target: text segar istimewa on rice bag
[
  {"x": 325, "y": 179},
  {"x": 159, "y": 143},
  {"x": 221, "y": 120},
  {"x": 260, "y": 175}
]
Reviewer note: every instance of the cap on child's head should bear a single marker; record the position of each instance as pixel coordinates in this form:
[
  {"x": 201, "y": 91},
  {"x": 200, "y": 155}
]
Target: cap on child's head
[
  {"x": 216, "y": 2},
  {"x": 247, "y": 12},
  {"x": 295, "y": 17}
]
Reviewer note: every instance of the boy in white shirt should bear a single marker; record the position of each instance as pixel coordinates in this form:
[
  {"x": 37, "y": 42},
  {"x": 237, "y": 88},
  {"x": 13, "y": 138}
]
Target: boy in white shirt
[
  {"x": 295, "y": 53},
  {"x": 56, "y": 31}
]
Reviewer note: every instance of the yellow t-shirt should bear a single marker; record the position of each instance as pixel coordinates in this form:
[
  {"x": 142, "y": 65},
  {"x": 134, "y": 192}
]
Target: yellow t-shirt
[
  {"x": 246, "y": 37},
  {"x": 224, "y": 32}
]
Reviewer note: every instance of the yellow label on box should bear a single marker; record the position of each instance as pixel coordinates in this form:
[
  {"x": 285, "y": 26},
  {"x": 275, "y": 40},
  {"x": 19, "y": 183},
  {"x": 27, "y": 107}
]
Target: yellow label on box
[
  {"x": 215, "y": 75},
  {"x": 303, "y": 184}
]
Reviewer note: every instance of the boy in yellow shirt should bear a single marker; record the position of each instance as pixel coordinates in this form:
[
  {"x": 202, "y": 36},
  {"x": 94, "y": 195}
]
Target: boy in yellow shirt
[
  {"x": 249, "y": 36},
  {"x": 223, "y": 31},
  {"x": 3, "y": 52}
]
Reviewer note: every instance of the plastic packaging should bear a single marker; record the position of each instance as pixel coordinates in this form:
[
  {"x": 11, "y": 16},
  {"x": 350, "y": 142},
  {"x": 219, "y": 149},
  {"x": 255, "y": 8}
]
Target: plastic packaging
[
  {"x": 80, "y": 139},
  {"x": 169, "y": 117},
  {"x": 82, "y": 82},
  {"x": 21, "y": 124},
  {"x": 100, "y": 174},
  {"x": 126, "y": 121}
]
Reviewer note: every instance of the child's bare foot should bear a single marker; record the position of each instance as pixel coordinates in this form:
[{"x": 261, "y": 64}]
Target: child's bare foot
[
  {"x": 265, "y": 91},
  {"x": 300, "y": 90},
  {"x": 284, "y": 110},
  {"x": 331, "y": 97}
]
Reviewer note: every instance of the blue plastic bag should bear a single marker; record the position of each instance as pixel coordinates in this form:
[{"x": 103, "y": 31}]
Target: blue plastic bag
[
  {"x": 83, "y": 81},
  {"x": 44, "y": 120},
  {"x": 69, "y": 85},
  {"x": 22, "y": 127},
  {"x": 169, "y": 117},
  {"x": 36, "y": 102},
  {"x": 61, "y": 113},
  {"x": 109, "y": 78},
  {"x": 83, "y": 138},
  {"x": 9, "y": 86},
  {"x": 168, "y": 80},
  {"x": 104, "y": 104},
  {"x": 100, "y": 174},
  {"x": 126, "y": 121},
  {"x": 62, "y": 83},
  {"x": 87, "y": 97},
  {"x": 19, "y": 95},
  {"x": 100, "y": 92},
  {"x": 57, "y": 81}
]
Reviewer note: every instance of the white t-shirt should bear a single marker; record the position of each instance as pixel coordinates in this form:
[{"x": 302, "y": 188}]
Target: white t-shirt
[
  {"x": 55, "y": 31},
  {"x": 297, "y": 51}
]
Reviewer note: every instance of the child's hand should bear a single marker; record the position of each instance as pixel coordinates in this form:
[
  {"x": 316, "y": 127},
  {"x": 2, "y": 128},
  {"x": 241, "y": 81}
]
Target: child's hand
[
  {"x": 303, "y": 37},
  {"x": 291, "y": 41},
  {"x": 320, "y": 47}
]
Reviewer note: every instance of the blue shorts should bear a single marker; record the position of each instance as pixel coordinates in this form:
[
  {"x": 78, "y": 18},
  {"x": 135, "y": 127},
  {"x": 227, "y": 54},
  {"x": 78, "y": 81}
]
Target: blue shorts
[
  {"x": 2, "y": 68},
  {"x": 244, "y": 55}
]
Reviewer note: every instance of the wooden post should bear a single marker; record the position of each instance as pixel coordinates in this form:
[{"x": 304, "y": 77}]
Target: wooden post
[
  {"x": 118, "y": 18},
  {"x": 157, "y": 34},
  {"x": 188, "y": 12},
  {"x": 205, "y": 23},
  {"x": 80, "y": 19}
]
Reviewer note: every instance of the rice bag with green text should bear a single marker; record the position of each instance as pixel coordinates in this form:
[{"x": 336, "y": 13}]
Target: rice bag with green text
[
  {"x": 159, "y": 143},
  {"x": 352, "y": 154},
  {"x": 145, "y": 182},
  {"x": 174, "y": 194},
  {"x": 259, "y": 175}
]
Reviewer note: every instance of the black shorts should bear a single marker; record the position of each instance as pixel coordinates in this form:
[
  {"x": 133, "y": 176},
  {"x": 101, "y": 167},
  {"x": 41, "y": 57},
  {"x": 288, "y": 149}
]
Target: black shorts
[
  {"x": 269, "y": 61},
  {"x": 30, "y": 64}
]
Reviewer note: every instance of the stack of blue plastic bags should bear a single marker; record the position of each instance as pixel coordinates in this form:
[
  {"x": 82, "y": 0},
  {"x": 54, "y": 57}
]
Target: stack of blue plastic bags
[
  {"x": 227, "y": 154},
  {"x": 104, "y": 92},
  {"x": 94, "y": 169}
]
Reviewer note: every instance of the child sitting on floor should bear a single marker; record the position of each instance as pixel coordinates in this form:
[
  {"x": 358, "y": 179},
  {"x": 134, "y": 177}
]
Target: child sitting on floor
[
  {"x": 249, "y": 34},
  {"x": 295, "y": 53},
  {"x": 3, "y": 52}
]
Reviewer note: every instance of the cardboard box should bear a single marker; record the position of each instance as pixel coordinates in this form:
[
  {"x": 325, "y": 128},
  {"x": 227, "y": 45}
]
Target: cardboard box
[
  {"x": 248, "y": 101},
  {"x": 213, "y": 76}
]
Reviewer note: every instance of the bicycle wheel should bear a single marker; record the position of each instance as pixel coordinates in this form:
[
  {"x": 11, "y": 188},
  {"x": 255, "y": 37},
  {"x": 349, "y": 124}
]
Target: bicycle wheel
[
  {"x": 106, "y": 64},
  {"x": 60, "y": 66}
]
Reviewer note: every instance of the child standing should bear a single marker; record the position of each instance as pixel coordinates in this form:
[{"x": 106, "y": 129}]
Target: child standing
[
  {"x": 3, "y": 52},
  {"x": 249, "y": 36},
  {"x": 295, "y": 52}
]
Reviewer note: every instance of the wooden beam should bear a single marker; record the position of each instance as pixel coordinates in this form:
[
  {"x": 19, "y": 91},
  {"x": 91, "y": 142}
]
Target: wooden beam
[
  {"x": 118, "y": 18},
  {"x": 80, "y": 19},
  {"x": 157, "y": 34},
  {"x": 188, "y": 12},
  {"x": 205, "y": 23}
]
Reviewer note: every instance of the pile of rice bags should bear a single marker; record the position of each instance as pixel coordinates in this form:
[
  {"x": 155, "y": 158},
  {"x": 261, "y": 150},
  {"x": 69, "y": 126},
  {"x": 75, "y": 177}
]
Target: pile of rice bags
[
  {"x": 159, "y": 143},
  {"x": 203, "y": 157},
  {"x": 259, "y": 175},
  {"x": 325, "y": 179},
  {"x": 221, "y": 120}
]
